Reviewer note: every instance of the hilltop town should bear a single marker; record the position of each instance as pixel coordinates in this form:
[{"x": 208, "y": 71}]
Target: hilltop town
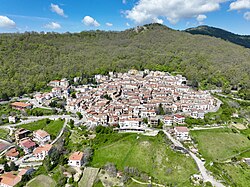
[{"x": 129, "y": 99}]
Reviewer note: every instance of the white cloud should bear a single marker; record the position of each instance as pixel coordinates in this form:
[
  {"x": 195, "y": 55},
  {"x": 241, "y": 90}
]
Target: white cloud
[
  {"x": 157, "y": 20},
  {"x": 173, "y": 10},
  {"x": 109, "y": 24},
  {"x": 7, "y": 23},
  {"x": 247, "y": 16},
  {"x": 52, "y": 25},
  {"x": 58, "y": 10},
  {"x": 127, "y": 24},
  {"x": 200, "y": 18},
  {"x": 240, "y": 4},
  {"x": 89, "y": 21},
  {"x": 124, "y": 1}
]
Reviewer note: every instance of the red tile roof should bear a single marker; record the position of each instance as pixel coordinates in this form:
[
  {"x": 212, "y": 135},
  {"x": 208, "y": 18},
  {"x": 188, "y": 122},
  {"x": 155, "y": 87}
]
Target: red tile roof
[
  {"x": 12, "y": 153},
  {"x": 9, "y": 179},
  {"x": 41, "y": 133},
  {"x": 27, "y": 143},
  {"x": 20, "y": 104},
  {"x": 76, "y": 156},
  {"x": 181, "y": 129},
  {"x": 40, "y": 149}
]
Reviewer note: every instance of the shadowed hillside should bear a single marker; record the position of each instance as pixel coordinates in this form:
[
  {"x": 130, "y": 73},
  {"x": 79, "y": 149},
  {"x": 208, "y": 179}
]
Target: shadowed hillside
[{"x": 219, "y": 33}]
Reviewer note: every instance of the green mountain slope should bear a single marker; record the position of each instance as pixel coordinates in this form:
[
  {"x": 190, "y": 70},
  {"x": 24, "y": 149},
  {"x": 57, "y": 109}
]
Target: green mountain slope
[
  {"x": 28, "y": 61},
  {"x": 219, "y": 33}
]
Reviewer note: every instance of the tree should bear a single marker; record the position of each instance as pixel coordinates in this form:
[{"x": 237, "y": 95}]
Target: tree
[
  {"x": 13, "y": 166},
  {"x": 47, "y": 121},
  {"x": 111, "y": 169},
  {"x": 71, "y": 123},
  {"x": 3, "y": 160},
  {"x": 160, "y": 110},
  {"x": 88, "y": 153},
  {"x": 73, "y": 95},
  {"x": 145, "y": 120},
  {"x": 6, "y": 167},
  {"x": 160, "y": 124},
  {"x": 79, "y": 115}
]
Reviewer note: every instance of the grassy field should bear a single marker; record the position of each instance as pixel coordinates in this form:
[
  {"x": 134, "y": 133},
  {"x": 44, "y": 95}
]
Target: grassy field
[
  {"x": 88, "y": 177},
  {"x": 220, "y": 144},
  {"x": 3, "y": 134},
  {"x": 42, "y": 181},
  {"x": 148, "y": 154},
  {"x": 41, "y": 112},
  {"x": 236, "y": 175},
  {"x": 53, "y": 127},
  {"x": 98, "y": 184}
]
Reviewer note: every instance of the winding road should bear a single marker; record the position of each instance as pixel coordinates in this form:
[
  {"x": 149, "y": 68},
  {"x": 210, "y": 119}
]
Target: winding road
[{"x": 204, "y": 172}]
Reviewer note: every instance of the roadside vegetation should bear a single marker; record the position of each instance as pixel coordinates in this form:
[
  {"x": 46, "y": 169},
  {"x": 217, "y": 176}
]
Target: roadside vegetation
[
  {"x": 5, "y": 111},
  {"x": 4, "y": 134},
  {"x": 53, "y": 127},
  {"x": 40, "y": 112}
]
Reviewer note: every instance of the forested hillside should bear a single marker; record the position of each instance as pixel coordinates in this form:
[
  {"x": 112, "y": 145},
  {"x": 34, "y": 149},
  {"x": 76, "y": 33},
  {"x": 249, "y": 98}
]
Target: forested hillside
[
  {"x": 220, "y": 33},
  {"x": 28, "y": 61}
]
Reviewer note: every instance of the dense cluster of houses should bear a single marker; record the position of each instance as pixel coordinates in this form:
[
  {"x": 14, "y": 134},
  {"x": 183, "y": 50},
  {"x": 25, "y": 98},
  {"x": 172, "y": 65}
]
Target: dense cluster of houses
[
  {"x": 36, "y": 146},
  {"x": 126, "y": 99},
  {"x": 36, "y": 143},
  {"x": 60, "y": 89},
  {"x": 10, "y": 179}
]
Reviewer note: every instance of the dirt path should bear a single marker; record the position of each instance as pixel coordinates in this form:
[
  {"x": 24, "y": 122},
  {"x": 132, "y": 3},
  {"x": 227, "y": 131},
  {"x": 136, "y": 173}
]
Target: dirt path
[
  {"x": 146, "y": 183},
  {"x": 88, "y": 177}
]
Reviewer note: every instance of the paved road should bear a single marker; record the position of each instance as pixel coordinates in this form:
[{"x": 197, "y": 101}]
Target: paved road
[
  {"x": 204, "y": 172},
  {"x": 237, "y": 99},
  {"x": 206, "y": 128},
  {"x": 61, "y": 133},
  {"x": 6, "y": 149}
]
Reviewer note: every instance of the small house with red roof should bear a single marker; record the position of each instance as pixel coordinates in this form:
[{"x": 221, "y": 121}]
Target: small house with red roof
[
  {"x": 42, "y": 151},
  {"x": 181, "y": 133},
  {"x": 28, "y": 145},
  {"x": 168, "y": 121},
  {"x": 21, "y": 105},
  {"x": 9, "y": 179},
  {"x": 179, "y": 119},
  {"x": 12, "y": 154},
  {"x": 42, "y": 136},
  {"x": 76, "y": 159},
  {"x": 21, "y": 133}
]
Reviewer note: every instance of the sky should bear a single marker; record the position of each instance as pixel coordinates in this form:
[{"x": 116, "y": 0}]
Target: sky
[{"x": 79, "y": 15}]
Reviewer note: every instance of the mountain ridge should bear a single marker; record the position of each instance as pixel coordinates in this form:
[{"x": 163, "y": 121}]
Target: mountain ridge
[{"x": 243, "y": 40}]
